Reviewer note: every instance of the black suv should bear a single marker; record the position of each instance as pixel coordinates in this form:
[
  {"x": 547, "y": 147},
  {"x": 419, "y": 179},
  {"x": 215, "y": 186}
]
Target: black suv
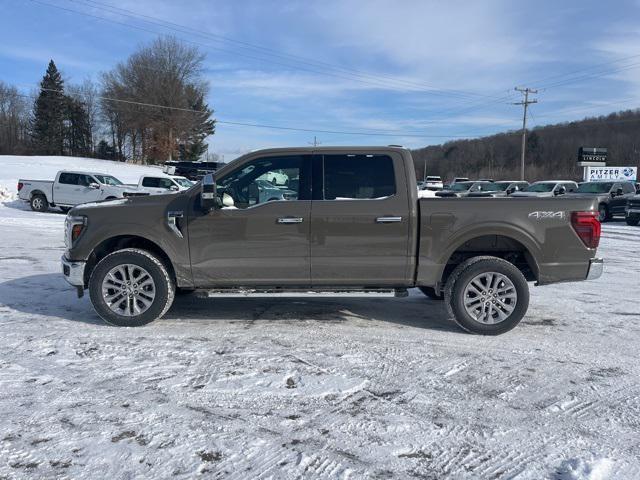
[{"x": 612, "y": 196}]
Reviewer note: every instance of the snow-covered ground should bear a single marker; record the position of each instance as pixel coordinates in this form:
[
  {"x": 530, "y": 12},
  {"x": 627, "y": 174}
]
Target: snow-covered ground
[{"x": 310, "y": 386}]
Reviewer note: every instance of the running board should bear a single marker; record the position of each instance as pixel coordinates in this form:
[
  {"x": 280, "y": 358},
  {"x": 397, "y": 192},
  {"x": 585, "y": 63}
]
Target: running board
[{"x": 284, "y": 291}]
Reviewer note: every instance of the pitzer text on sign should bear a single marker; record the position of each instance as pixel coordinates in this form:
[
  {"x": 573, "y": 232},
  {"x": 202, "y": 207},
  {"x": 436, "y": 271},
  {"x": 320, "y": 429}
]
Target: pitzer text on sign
[{"x": 611, "y": 173}]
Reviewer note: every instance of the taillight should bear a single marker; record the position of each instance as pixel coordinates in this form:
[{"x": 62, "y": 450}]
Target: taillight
[
  {"x": 587, "y": 226},
  {"x": 20, "y": 185}
]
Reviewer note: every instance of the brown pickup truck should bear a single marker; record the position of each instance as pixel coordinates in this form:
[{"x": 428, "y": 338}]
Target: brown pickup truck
[{"x": 348, "y": 219}]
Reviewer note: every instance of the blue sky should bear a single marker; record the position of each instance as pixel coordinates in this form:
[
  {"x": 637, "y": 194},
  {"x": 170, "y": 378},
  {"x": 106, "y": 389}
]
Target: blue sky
[{"x": 423, "y": 71}]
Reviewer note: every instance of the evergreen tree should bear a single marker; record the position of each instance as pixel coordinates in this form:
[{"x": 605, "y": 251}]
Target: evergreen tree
[
  {"x": 204, "y": 125},
  {"x": 47, "y": 126},
  {"x": 77, "y": 131}
]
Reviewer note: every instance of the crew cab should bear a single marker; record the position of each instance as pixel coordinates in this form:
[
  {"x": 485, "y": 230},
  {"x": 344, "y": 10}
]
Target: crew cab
[
  {"x": 501, "y": 188},
  {"x": 154, "y": 184},
  {"x": 71, "y": 188},
  {"x": 547, "y": 188},
  {"x": 612, "y": 196},
  {"x": 354, "y": 223},
  {"x": 464, "y": 189}
]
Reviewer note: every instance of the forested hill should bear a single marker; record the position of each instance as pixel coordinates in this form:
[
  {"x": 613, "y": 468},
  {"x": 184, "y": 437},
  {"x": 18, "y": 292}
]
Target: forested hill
[{"x": 552, "y": 150}]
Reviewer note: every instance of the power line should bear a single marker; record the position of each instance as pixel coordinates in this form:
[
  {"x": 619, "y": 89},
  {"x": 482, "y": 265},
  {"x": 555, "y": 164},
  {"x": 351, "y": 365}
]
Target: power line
[
  {"x": 271, "y": 52},
  {"x": 347, "y": 74},
  {"x": 262, "y": 125}
]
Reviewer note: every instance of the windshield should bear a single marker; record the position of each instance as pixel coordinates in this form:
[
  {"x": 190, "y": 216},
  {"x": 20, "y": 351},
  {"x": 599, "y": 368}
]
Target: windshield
[
  {"x": 183, "y": 182},
  {"x": 461, "y": 186},
  {"x": 595, "y": 187},
  {"x": 108, "y": 180},
  {"x": 540, "y": 187}
]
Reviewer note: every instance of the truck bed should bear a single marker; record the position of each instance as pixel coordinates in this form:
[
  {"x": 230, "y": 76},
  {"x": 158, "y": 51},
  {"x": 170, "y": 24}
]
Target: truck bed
[{"x": 537, "y": 229}]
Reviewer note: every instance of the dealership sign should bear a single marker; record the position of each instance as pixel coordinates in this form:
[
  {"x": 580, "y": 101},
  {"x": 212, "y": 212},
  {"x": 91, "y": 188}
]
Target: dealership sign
[
  {"x": 592, "y": 154},
  {"x": 611, "y": 173}
]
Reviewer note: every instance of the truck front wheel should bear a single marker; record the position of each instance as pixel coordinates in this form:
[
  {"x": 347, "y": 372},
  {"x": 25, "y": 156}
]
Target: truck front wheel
[
  {"x": 130, "y": 288},
  {"x": 39, "y": 203},
  {"x": 487, "y": 295}
]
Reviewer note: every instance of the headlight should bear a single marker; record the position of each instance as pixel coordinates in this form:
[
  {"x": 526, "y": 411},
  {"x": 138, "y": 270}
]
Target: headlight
[{"x": 73, "y": 228}]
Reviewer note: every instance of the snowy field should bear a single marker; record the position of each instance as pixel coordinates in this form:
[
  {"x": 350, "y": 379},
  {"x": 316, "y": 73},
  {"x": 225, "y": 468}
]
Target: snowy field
[{"x": 310, "y": 386}]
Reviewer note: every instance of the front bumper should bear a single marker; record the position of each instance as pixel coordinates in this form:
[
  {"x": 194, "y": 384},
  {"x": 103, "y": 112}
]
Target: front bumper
[
  {"x": 73, "y": 271},
  {"x": 596, "y": 266}
]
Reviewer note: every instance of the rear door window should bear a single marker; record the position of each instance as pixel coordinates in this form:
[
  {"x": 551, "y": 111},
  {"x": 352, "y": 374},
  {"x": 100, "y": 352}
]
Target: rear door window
[
  {"x": 151, "y": 182},
  {"x": 362, "y": 177},
  {"x": 68, "y": 178}
]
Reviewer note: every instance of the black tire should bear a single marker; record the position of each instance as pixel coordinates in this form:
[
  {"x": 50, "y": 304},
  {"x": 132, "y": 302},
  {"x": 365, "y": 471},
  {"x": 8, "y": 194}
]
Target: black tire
[
  {"x": 111, "y": 198},
  {"x": 464, "y": 273},
  {"x": 164, "y": 287},
  {"x": 65, "y": 209},
  {"x": 39, "y": 203},
  {"x": 603, "y": 213},
  {"x": 431, "y": 293},
  {"x": 632, "y": 221}
]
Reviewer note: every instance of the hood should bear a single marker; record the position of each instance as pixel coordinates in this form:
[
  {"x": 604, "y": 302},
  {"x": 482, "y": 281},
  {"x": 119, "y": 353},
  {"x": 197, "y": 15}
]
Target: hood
[
  {"x": 532, "y": 194},
  {"x": 600, "y": 196},
  {"x": 127, "y": 202},
  {"x": 447, "y": 193},
  {"x": 487, "y": 194}
]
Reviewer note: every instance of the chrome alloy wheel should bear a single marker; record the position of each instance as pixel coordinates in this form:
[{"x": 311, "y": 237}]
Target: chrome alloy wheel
[
  {"x": 490, "y": 298},
  {"x": 128, "y": 290},
  {"x": 38, "y": 204}
]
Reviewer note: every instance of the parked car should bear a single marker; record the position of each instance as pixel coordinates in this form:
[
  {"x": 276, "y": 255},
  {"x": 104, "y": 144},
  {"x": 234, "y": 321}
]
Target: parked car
[
  {"x": 433, "y": 183},
  {"x": 501, "y": 189},
  {"x": 72, "y": 188},
  {"x": 632, "y": 211},
  {"x": 155, "y": 184},
  {"x": 364, "y": 227},
  {"x": 192, "y": 170},
  {"x": 547, "y": 188},
  {"x": 612, "y": 196},
  {"x": 463, "y": 189}
]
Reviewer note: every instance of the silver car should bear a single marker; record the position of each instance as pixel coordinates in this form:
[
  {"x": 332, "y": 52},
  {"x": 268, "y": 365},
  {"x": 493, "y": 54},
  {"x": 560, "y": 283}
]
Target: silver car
[{"x": 547, "y": 188}]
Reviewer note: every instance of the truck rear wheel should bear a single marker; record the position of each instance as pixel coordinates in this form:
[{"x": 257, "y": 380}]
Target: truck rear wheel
[
  {"x": 633, "y": 220},
  {"x": 487, "y": 295},
  {"x": 431, "y": 293},
  {"x": 39, "y": 203},
  {"x": 130, "y": 288}
]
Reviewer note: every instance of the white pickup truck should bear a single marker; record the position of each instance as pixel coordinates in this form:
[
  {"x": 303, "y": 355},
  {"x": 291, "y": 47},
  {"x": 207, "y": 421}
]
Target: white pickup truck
[
  {"x": 71, "y": 188},
  {"x": 161, "y": 183}
]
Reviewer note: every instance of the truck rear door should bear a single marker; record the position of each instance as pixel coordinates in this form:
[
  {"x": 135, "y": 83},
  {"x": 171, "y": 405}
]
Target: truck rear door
[{"x": 359, "y": 220}]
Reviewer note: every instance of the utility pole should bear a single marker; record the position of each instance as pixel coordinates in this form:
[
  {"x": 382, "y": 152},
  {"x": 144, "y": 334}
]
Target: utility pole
[
  {"x": 315, "y": 142},
  {"x": 525, "y": 103}
]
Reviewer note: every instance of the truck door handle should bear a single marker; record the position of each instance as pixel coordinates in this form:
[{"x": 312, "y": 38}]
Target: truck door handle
[
  {"x": 290, "y": 220},
  {"x": 388, "y": 219}
]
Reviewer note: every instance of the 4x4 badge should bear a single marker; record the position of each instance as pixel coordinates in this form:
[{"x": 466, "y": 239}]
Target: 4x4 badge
[{"x": 541, "y": 215}]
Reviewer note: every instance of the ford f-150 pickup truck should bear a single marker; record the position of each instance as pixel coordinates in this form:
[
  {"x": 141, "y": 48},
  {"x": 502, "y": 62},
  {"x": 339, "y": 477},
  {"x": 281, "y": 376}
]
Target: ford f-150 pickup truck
[
  {"x": 355, "y": 222},
  {"x": 71, "y": 188}
]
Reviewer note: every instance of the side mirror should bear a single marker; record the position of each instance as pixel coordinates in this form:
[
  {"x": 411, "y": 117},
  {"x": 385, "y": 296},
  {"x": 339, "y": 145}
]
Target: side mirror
[
  {"x": 208, "y": 194},
  {"x": 510, "y": 190},
  {"x": 619, "y": 191},
  {"x": 227, "y": 200},
  {"x": 561, "y": 191},
  {"x": 94, "y": 185},
  {"x": 174, "y": 188}
]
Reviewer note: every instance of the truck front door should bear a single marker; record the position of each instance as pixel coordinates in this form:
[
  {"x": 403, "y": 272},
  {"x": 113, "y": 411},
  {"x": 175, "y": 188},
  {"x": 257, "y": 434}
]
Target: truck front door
[
  {"x": 259, "y": 241},
  {"x": 75, "y": 188},
  {"x": 359, "y": 220}
]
